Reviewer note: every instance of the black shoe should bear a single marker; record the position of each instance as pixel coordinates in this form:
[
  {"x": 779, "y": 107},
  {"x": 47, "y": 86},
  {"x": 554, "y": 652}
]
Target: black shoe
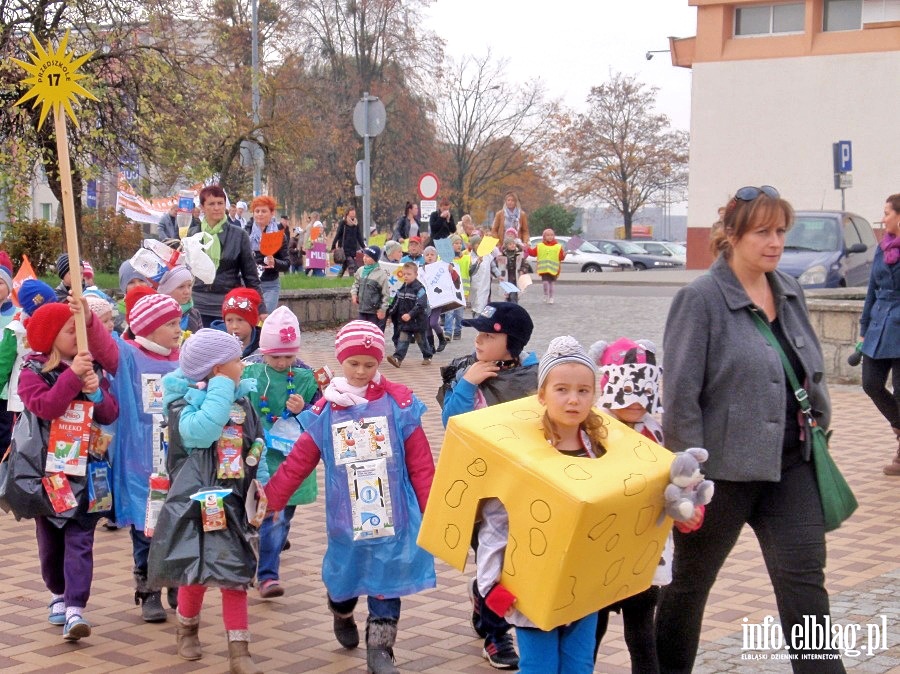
[
  {"x": 152, "y": 610},
  {"x": 500, "y": 652},
  {"x": 346, "y": 631},
  {"x": 172, "y": 597},
  {"x": 442, "y": 344}
]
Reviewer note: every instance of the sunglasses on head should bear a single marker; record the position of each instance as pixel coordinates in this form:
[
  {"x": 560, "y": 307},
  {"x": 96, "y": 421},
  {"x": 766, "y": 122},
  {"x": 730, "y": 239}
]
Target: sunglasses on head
[{"x": 750, "y": 192}]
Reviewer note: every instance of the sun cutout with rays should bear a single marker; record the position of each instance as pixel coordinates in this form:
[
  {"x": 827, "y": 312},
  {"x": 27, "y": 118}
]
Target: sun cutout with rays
[{"x": 54, "y": 78}]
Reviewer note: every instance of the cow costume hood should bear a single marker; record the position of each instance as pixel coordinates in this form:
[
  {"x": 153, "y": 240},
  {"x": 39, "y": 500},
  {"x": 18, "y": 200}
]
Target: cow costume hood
[{"x": 628, "y": 374}]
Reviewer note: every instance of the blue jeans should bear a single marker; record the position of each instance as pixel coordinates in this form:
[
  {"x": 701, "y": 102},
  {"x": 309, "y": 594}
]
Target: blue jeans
[
  {"x": 270, "y": 291},
  {"x": 379, "y": 609},
  {"x": 418, "y": 337},
  {"x": 565, "y": 650},
  {"x": 315, "y": 272},
  {"x": 272, "y": 537},
  {"x": 453, "y": 322},
  {"x": 140, "y": 550}
]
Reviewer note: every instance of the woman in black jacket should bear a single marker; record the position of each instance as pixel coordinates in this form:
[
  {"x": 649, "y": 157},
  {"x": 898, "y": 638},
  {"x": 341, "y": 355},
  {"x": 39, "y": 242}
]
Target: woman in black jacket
[
  {"x": 230, "y": 252},
  {"x": 408, "y": 224},
  {"x": 350, "y": 239}
]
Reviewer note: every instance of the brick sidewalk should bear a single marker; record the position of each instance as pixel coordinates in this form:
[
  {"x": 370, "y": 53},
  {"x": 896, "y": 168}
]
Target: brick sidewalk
[{"x": 293, "y": 633}]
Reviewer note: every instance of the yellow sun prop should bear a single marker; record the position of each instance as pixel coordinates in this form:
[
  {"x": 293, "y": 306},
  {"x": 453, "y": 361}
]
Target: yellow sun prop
[{"x": 54, "y": 78}]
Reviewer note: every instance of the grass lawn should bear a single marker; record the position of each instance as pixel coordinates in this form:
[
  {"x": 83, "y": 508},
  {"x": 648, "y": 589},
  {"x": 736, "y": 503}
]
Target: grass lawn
[{"x": 288, "y": 281}]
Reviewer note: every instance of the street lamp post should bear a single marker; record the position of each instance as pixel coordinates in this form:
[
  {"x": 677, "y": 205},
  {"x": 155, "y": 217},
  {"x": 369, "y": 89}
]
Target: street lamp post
[{"x": 258, "y": 157}]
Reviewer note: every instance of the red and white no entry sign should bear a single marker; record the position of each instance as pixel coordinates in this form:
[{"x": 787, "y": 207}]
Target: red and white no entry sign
[{"x": 429, "y": 186}]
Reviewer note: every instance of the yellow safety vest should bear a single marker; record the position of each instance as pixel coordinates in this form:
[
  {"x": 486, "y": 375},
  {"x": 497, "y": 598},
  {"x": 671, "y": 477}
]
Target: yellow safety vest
[
  {"x": 464, "y": 261},
  {"x": 548, "y": 258}
]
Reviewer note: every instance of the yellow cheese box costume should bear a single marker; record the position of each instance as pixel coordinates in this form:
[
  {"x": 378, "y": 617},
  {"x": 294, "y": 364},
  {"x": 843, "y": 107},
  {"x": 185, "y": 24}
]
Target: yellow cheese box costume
[{"x": 583, "y": 533}]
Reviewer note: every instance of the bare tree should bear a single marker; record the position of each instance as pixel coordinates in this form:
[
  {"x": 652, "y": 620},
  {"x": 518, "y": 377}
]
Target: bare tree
[
  {"x": 620, "y": 152},
  {"x": 491, "y": 128}
]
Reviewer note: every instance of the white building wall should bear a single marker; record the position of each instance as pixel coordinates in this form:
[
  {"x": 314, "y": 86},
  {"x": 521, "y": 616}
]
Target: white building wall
[{"x": 774, "y": 121}]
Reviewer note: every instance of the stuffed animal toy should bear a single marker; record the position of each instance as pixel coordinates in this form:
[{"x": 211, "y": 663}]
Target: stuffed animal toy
[{"x": 688, "y": 487}]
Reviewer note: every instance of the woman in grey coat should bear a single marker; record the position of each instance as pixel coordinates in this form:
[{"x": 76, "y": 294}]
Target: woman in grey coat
[{"x": 725, "y": 389}]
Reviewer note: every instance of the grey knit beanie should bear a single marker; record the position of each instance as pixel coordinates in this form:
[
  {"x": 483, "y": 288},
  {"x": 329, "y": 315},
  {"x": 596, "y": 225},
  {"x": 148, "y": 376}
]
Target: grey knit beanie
[{"x": 205, "y": 349}]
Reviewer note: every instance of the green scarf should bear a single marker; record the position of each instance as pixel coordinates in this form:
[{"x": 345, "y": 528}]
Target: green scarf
[
  {"x": 187, "y": 306},
  {"x": 368, "y": 269},
  {"x": 215, "y": 250}
]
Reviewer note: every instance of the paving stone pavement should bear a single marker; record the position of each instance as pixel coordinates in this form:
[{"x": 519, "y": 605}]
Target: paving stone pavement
[{"x": 293, "y": 633}]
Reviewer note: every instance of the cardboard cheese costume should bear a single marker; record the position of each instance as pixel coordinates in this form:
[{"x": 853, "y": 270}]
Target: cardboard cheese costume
[{"x": 583, "y": 533}]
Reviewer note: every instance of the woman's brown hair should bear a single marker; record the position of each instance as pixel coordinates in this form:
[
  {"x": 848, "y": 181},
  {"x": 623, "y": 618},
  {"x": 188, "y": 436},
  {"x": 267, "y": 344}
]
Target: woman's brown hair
[
  {"x": 742, "y": 216},
  {"x": 894, "y": 201}
]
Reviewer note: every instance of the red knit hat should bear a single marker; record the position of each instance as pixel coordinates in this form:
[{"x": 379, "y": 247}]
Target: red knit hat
[
  {"x": 132, "y": 296},
  {"x": 152, "y": 311},
  {"x": 359, "y": 338},
  {"x": 245, "y": 303},
  {"x": 45, "y": 324}
]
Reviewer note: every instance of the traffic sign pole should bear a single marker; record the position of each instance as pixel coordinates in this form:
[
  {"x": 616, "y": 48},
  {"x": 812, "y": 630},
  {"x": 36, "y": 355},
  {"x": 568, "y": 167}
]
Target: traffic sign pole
[{"x": 368, "y": 119}]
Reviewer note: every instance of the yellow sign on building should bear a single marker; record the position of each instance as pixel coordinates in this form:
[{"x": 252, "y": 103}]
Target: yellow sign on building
[{"x": 583, "y": 533}]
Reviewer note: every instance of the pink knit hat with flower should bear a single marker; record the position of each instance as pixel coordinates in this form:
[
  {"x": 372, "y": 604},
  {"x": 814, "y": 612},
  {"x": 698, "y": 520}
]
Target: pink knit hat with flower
[
  {"x": 280, "y": 334},
  {"x": 152, "y": 311},
  {"x": 359, "y": 338}
]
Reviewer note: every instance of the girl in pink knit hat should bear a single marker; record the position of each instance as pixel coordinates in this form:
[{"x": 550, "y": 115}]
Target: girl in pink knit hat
[
  {"x": 368, "y": 433},
  {"x": 285, "y": 387}
]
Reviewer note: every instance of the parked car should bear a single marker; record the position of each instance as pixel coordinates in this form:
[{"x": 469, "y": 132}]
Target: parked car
[
  {"x": 673, "y": 251},
  {"x": 829, "y": 249},
  {"x": 588, "y": 258},
  {"x": 640, "y": 258}
]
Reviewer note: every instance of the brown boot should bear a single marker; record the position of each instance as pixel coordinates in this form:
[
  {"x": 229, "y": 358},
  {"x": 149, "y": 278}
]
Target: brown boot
[
  {"x": 188, "y": 643},
  {"x": 239, "y": 660},
  {"x": 893, "y": 468}
]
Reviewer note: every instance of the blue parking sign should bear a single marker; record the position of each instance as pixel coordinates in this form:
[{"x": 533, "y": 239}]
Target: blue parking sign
[{"x": 843, "y": 156}]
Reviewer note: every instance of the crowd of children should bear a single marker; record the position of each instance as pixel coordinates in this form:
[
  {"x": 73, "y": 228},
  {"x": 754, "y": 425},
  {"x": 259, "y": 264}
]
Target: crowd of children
[{"x": 207, "y": 441}]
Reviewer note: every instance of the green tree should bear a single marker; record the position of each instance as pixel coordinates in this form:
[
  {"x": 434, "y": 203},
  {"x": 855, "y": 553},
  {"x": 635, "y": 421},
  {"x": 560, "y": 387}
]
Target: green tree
[
  {"x": 620, "y": 152},
  {"x": 555, "y": 217}
]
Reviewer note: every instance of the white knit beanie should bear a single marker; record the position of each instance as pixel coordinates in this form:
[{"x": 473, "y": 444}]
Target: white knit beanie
[{"x": 205, "y": 349}]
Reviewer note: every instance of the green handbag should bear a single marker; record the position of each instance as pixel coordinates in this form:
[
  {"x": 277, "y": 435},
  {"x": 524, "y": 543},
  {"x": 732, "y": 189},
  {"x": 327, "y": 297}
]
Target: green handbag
[{"x": 838, "y": 501}]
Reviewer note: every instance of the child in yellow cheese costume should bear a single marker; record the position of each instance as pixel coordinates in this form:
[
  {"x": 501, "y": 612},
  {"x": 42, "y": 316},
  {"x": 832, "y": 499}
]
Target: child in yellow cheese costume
[{"x": 566, "y": 388}]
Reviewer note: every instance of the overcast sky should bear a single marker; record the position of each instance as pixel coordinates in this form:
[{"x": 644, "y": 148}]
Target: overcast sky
[{"x": 572, "y": 45}]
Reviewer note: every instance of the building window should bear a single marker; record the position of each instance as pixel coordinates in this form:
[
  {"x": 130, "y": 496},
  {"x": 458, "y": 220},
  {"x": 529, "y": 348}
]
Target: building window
[
  {"x": 769, "y": 19},
  {"x": 875, "y": 11},
  {"x": 842, "y": 15},
  {"x": 47, "y": 212}
]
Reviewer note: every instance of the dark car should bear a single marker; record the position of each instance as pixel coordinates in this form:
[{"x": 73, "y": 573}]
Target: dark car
[
  {"x": 829, "y": 249},
  {"x": 641, "y": 258}
]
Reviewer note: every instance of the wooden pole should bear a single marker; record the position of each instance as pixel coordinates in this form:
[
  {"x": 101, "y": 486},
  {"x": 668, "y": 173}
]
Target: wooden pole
[{"x": 68, "y": 204}]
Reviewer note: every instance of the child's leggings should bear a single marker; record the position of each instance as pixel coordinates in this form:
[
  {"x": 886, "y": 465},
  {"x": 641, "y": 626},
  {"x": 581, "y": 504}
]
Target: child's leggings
[
  {"x": 67, "y": 559},
  {"x": 234, "y": 605},
  {"x": 548, "y": 281},
  {"x": 565, "y": 650}
]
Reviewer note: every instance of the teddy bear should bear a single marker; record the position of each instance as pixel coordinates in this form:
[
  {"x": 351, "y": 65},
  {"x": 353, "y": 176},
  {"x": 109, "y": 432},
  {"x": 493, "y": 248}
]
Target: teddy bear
[{"x": 687, "y": 488}]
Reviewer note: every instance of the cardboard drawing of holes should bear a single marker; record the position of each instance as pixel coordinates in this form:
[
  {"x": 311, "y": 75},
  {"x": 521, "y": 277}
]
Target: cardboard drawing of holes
[
  {"x": 601, "y": 527},
  {"x": 634, "y": 484},
  {"x": 649, "y": 555},
  {"x": 454, "y": 495},
  {"x": 612, "y": 542},
  {"x": 613, "y": 571},
  {"x": 576, "y": 472},
  {"x": 644, "y": 453},
  {"x": 540, "y": 511},
  {"x": 477, "y": 468},
  {"x": 507, "y": 433},
  {"x": 643, "y": 520},
  {"x": 537, "y": 542},
  {"x": 509, "y": 564},
  {"x": 568, "y": 595},
  {"x": 452, "y": 536},
  {"x": 525, "y": 415}
]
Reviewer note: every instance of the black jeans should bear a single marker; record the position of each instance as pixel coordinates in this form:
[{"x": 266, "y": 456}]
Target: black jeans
[
  {"x": 874, "y": 376},
  {"x": 638, "y": 613},
  {"x": 787, "y": 519}
]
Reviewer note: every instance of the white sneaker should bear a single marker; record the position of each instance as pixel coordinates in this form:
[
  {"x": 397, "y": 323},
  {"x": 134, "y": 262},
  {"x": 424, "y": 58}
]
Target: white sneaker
[
  {"x": 550, "y": 300},
  {"x": 545, "y": 299}
]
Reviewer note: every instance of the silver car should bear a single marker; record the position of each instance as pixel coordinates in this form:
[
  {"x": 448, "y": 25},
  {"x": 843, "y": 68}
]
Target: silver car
[{"x": 587, "y": 258}]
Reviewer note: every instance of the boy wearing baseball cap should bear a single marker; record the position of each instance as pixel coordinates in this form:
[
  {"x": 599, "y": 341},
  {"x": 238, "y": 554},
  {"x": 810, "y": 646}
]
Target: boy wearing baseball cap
[
  {"x": 495, "y": 373},
  {"x": 414, "y": 252},
  {"x": 378, "y": 470}
]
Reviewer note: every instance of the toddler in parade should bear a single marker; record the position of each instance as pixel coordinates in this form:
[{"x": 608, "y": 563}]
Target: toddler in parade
[
  {"x": 550, "y": 254},
  {"x": 371, "y": 290},
  {"x": 482, "y": 270},
  {"x": 55, "y": 379},
  {"x": 629, "y": 391},
  {"x": 414, "y": 252},
  {"x": 566, "y": 389},
  {"x": 496, "y": 373},
  {"x": 240, "y": 316},
  {"x": 178, "y": 283},
  {"x": 285, "y": 387},
  {"x": 453, "y": 318},
  {"x": 152, "y": 350},
  {"x": 64, "y": 272},
  {"x": 212, "y": 426},
  {"x": 434, "y": 318},
  {"x": 368, "y": 433},
  {"x": 409, "y": 312}
]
